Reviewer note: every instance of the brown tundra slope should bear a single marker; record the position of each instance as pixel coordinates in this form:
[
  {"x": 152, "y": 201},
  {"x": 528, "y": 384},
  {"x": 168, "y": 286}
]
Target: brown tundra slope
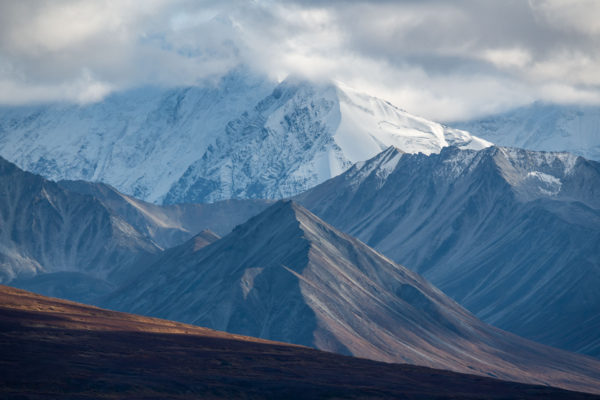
[{"x": 52, "y": 348}]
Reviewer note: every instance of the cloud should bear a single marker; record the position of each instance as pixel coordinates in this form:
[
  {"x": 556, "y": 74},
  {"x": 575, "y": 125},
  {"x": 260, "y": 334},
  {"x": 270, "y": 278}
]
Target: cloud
[
  {"x": 571, "y": 15},
  {"x": 444, "y": 60}
]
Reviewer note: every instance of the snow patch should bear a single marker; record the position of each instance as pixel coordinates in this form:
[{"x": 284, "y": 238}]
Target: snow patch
[
  {"x": 547, "y": 184},
  {"x": 247, "y": 280}
]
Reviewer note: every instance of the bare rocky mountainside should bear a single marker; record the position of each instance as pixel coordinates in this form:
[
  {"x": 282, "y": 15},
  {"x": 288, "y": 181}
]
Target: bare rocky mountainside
[
  {"x": 78, "y": 240},
  {"x": 170, "y": 225},
  {"x": 48, "y": 230},
  {"x": 286, "y": 275},
  {"x": 512, "y": 235}
]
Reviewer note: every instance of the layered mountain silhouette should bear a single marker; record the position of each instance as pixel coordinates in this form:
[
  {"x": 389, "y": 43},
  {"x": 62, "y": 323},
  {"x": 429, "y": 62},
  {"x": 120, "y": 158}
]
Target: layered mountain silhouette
[
  {"x": 170, "y": 225},
  {"x": 512, "y": 235},
  {"x": 80, "y": 240},
  {"x": 46, "y": 229},
  {"x": 286, "y": 275}
]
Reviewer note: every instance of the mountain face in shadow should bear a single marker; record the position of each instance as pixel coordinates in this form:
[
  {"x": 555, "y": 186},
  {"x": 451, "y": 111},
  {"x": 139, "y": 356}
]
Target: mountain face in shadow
[
  {"x": 46, "y": 229},
  {"x": 512, "y": 235},
  {"x": 286, "y": 275},
  {"x": 80, "y": 240}
]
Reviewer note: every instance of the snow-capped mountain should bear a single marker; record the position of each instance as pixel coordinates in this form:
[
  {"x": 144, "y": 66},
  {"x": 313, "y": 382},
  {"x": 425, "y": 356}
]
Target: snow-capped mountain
[
  {"x": 243, "y": 137},
  {"x": 303, "y": 134},
  {"x": 140, "y": 141},
  {"x": 512, "y": 235},
  {"x": 542, "y": 126},
  {"x": 288, "y": 276}
]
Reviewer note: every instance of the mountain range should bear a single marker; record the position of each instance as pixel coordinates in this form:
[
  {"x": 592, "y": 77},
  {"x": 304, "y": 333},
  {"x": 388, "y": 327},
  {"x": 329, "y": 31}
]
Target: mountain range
[
  {"x": 470, "y": 221},
  {"x": 288, "y": 276},
  {"x": 243, "y": 137},
  {"x": 510, "y": 234},
  {"x": 78, "y": 240}
]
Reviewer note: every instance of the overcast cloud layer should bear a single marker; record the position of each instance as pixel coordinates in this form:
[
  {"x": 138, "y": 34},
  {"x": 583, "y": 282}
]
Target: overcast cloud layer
[{"x": 445, "y": 60}]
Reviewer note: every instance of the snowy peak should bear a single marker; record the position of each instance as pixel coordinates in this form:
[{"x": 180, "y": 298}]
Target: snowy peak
[
  {"x": 370, "y": 124},
  {"x": 302, "y": 134},
  {"x": 283, "y": 146},
  {"x": 244, "y": 137},
  {"x": 139, "y": 141}
]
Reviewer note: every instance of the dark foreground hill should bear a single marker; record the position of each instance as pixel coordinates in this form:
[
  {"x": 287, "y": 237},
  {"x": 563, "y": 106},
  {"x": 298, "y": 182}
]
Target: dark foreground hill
[{"x": 52, "y": 348}]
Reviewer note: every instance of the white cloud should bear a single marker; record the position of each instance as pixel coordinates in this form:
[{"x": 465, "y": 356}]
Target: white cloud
[
  {"x": 507, "y": 58},
  {"x": 444, "y": 60},
  {"x": 565, "y": 94},
  {"x": 576, "y": 15}
]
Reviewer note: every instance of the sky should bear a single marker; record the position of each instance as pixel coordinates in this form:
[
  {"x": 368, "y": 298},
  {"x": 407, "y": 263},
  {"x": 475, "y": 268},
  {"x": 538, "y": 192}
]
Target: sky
[{"x": 445, "y": 60}]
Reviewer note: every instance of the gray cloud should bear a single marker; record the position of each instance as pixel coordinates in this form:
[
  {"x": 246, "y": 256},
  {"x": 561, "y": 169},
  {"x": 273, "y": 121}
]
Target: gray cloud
[{"x": 445, "y": 60}]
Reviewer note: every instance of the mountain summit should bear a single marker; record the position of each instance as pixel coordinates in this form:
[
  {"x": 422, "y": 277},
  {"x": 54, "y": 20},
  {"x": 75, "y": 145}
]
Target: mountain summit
[
  {"x": 286, "y": 275},
  {"x": 244, "y": 137},
  {"x": 512, "y": 235},
  {"x": 303, "y": 134}
]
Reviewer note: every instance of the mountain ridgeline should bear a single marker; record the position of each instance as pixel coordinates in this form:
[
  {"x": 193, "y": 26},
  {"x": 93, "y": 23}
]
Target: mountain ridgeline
[
  {"x": 80, "y": 240},
  {"x": 243, "y": 137},
  {"x": 512, "y": 235},
  {"x": 288, "y": 276},
  {"x": 46, "y": 229}
]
